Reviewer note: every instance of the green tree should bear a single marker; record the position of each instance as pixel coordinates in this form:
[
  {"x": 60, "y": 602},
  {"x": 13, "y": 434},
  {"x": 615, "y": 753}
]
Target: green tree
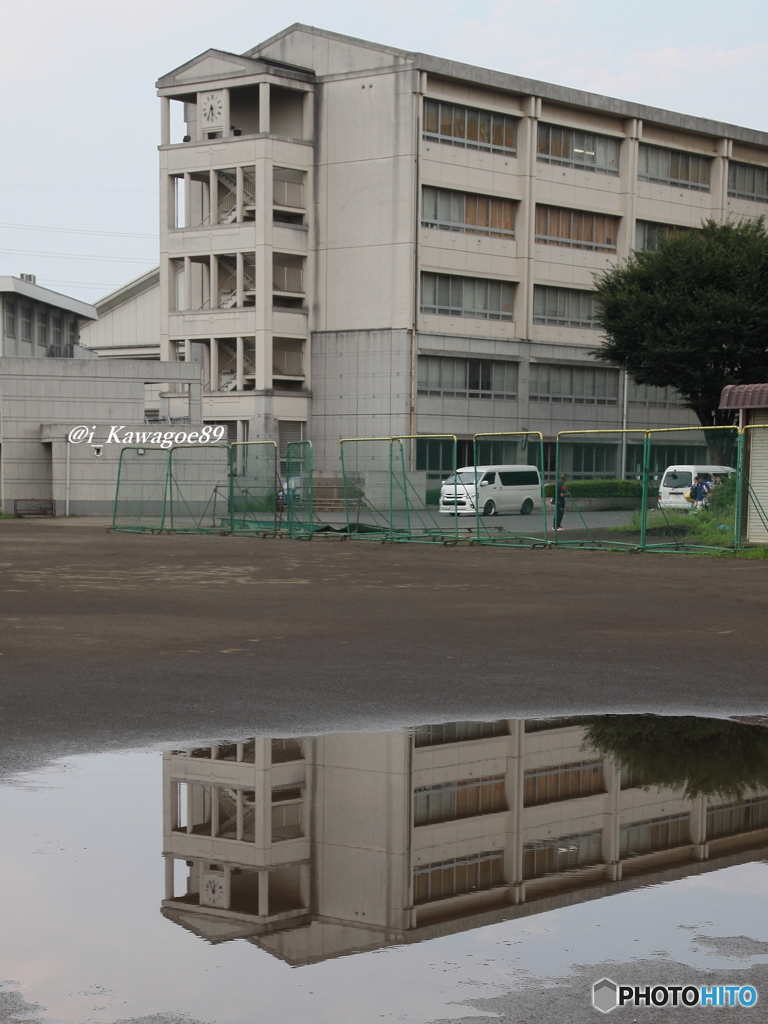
[
  {"x": 701, "y": 756},
  {"x": 692, "y": 314}
]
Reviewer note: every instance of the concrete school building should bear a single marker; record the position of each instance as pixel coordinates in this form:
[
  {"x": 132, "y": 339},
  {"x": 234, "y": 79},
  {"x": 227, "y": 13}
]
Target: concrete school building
[
  {"x": 324, "y": 846},
  {"x": 361, "y": 240}
]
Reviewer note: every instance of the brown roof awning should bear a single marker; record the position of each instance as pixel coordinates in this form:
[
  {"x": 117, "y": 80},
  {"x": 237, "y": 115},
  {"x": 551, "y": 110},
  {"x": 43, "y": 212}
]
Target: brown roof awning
[{"x": 744, "y": 396}]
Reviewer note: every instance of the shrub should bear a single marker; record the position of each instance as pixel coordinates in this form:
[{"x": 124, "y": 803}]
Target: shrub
[
  {"x": 433, "y": 496},
  {"x": 600, "y": 488}
]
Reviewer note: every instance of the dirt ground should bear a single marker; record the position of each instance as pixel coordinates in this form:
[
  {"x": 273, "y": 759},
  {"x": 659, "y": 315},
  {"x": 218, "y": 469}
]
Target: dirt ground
[{"x": 112, "y": 639}]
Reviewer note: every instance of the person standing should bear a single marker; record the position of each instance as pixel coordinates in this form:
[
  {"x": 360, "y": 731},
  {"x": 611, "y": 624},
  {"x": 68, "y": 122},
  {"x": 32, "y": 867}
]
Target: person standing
[{"x": 561, "y": 495}]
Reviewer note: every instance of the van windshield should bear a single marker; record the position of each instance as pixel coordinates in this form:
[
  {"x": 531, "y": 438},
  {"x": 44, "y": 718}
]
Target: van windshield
[
  {"x": 677, "y": 480},
  {"x": 467, "y": 477}
]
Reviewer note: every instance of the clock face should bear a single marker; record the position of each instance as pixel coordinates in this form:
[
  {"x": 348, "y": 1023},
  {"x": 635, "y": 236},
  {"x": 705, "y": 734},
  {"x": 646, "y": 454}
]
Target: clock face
[
  {"x": 214, "y": 892},
  {"x": 212, "y": 107}
]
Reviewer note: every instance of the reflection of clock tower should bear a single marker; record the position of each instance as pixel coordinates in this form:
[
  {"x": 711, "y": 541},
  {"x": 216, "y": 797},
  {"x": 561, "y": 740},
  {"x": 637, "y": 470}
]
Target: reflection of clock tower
[{"x": 236, "y": 243}]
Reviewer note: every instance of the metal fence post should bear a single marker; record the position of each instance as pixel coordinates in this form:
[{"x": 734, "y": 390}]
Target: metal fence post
[
  {"x": 644, "y": 492},
  {"x": 739, "y": 503}
]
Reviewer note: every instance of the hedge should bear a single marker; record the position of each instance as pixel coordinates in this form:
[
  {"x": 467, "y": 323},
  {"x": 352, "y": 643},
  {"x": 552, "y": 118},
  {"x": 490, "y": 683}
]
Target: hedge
[{"x": 600, "y": 488}]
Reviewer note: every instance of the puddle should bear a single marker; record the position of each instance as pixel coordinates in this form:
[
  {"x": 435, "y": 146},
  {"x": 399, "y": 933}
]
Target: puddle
[{"x": 460, "y": 871}]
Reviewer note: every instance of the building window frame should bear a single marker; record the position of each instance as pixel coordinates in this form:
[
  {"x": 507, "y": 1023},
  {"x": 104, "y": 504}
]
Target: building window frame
[
  {"x": 740, "y": 186},
  {"x": 564, "y": 307},
  {"x": 477, "y": 298},
  {"x": 565, "y": 853},
  {"x": 740, "y": 816},
  {"x": 454, "y": 124},
  {"x": 583, "y": 151},
  {"x": 469, "y": 213},
  {"x": 464, "y": 798},
  {"x": 661, "y": 833},
  {"x": 26, "y": 323},
  {"x": 10, "y": 318},
  {"x": 458, "y": 732},
  {"x": 575, "y": 229},
  {"x": 553, "y": 783},
  {"x": 446, "y": 377},
  {"x": 572, "y": 384},
  {"x": 459, "y": 875},
  {"x": 679, "y": 168}
]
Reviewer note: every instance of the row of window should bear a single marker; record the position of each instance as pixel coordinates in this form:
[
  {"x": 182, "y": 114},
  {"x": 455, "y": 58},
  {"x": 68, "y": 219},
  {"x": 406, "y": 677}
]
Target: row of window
[
  {"x": 471, "y": 128},
  {"x": 446, "y": 377},
  {"x": 465, "y": 798},
  {"x": 54, "y": 332}
]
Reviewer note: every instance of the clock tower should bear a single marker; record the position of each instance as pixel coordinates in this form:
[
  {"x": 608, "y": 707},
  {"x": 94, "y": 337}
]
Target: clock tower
[{"x": 214, "y": 113}]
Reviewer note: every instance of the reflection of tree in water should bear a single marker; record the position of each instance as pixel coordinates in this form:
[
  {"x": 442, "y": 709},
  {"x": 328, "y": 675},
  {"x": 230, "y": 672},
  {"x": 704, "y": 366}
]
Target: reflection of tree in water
[{"x": 701, "y": 756}]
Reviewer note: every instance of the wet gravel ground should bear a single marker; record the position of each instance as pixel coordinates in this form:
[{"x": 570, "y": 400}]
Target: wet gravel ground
[{"x": 114, "y": 640}]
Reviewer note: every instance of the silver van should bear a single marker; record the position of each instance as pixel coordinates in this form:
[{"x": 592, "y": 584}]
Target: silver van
[{"x": 493, "y": 489}]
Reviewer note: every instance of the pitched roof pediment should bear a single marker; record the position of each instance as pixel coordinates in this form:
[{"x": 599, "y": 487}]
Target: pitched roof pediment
[{"x": 210, "y": 65}]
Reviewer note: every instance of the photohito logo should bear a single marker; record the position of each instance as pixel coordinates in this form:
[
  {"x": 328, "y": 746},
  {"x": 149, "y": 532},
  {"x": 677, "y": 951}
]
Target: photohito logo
[{"x": 607, "y": 995}]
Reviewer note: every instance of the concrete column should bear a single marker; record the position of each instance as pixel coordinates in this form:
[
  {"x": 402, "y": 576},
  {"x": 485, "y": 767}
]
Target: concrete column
[
  {"x": 214, "y": 810},
  {"x": 719, "y": 183},
  {"x": 196, "y": 401},
  {"x": 515, "y": 790},
  {"x": 187, "y": 199},
  {"x": 263, "y": 894},
  {"x": 628, "y": 163},
  {"x": 213, "y": 279},
  {"x": 165, "y": 121},
  {"x": 304, "y": 885},
  {"x": 264, "y": 119},
  {"x": 226, "y": 130},
  {"x": 525, "y": 227},
  {"x": 187, "y": 350},
  {"x": 239, "y": 811},
  {"x": 213, "y": 197},
  {"x": 169, "y": 878},
  {"x": 214, "y": 364},
  {"x": 308, "y": 115},
  {"x": 239, "y": 194},
  {"x": 240, "y": 371},
  {"x": 611, "y": 849},
  {"x": 187, "y": 292},
  {"x": 239, "y": 281}
]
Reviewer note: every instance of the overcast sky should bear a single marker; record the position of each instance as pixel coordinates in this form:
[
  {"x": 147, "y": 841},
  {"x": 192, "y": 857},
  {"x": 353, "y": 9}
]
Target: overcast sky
[{"x": 81, "y": 119}]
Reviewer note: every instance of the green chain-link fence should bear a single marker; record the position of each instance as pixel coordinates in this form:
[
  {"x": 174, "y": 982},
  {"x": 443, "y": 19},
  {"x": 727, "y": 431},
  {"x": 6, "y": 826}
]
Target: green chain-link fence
[
  {"x": 142, "y": 490},
  {"x": 506, "y": 489},
  {"x": 198, "y": 488},
  {"x": 365, "y": 473},
  {"x": 256, "y": 492},
  {"x": 297, "y": 489}
]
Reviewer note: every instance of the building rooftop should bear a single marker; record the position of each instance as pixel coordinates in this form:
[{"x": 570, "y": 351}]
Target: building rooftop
[
  {"x": 32, "y": 290},
  {"x": 744, "y": 396}
]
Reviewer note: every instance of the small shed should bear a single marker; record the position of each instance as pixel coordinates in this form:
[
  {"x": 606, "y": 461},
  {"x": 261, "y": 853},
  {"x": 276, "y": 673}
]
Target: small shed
[{"x": 751, "y": 401}]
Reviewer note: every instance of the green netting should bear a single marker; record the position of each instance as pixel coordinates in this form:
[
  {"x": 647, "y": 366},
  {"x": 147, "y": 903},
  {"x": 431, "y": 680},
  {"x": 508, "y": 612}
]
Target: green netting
[
  {"x": 414, "y": 505},
  {"x": 256, "y": 493},
  {"x": 673, "y": 522},
  {"x": 141, "y": 491},
  {"x": 198, "y": 488},
  {"x": 298, "y": 489},
  {"x": 365, "y": 472},
  {"x": 604, "y": 489},
  {"x": 511, "y": 505}
]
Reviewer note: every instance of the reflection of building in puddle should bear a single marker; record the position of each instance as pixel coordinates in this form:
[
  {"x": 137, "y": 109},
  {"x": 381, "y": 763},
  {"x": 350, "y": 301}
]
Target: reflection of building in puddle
[{"x": 318, "y": 847}]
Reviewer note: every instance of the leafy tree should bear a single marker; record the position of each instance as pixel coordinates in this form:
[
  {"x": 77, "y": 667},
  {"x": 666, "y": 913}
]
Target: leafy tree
[
  {"x": 702, "y": 756},
  {"x": 692, "y": 314}
]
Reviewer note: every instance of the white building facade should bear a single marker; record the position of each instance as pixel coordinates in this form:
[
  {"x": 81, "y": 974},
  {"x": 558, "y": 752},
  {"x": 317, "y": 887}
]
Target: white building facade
[{"x": 362, "y": 241}]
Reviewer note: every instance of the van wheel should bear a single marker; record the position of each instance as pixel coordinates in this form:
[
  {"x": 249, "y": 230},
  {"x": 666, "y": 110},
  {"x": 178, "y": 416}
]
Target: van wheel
[
  {"x": 527, "y": 507},
  {"x": 489, "y": 508}
]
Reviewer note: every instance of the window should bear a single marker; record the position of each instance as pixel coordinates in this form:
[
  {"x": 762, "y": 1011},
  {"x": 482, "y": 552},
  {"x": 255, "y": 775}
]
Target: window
[
  {"x": 728, "y": 819},
  {"x": 577, "y": 230},
  {"x": 56, "y": 336},
  {"x": 287, "y": 273},
  {"x": 231, "y": 425},
  {"x": 71, "y": 339},
  {"x": 288, "y": 187},
  {"x": 287, "y": 750},
  {"x": 547, "y": 856},
  {"x": 457, "y": 732},
  {"x": 519, "y": 478},
  {"x": 563, "y": 307},
  {"x": 648, "y": 234},
  {"x": 563, "y": 782},
  {"x": 652, "y": 397},
  {"x": 470, "y": 214},
  {"x": 573, "y": 385},
  {"x": 10, "y": 319},
  {"x": 582, "y": 461},
  {"x": 748, "y": 182},
  {"x": 26, "y": 323},
  {"x": 673, "y": 167},
  {"x": 463, "y": 799},
  {"x": 469, "y": 128},
  {"x": 630, "y": 778},
  {"x": 42, "y": 327},
  {"x": 466, "y": 296},
  {"x": 654, "y": 834},
  {"x": 466, "y": 378},
  {"x": 286, "y": 821},
  {"x": 582, "y": 150},
  {"x": 456, "y": 876}
]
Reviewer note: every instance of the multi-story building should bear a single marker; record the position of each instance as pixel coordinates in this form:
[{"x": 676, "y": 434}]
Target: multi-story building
[
  {"x": 38, "y": 322},
  {"x": 358, "y": 240},
  {"x": 316, "y": 847}
]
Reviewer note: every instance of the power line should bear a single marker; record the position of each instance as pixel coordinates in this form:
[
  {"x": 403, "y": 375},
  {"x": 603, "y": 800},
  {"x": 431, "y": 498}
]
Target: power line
[
  {"x": 80, "y": 188},
  {"x": 79, "y": 256},
  {"x": 77, "y": 231}
]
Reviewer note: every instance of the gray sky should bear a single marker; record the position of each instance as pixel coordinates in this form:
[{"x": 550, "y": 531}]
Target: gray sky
[{"x": 82, "y": 119}]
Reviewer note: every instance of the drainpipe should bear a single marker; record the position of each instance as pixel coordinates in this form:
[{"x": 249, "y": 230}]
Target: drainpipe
[{"x": 624, "y": 427}]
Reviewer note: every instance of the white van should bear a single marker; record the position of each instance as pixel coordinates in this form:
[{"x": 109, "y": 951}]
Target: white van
[
  {"x": 500, "y": 488},
  {"x": 676, "y": 481}
]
